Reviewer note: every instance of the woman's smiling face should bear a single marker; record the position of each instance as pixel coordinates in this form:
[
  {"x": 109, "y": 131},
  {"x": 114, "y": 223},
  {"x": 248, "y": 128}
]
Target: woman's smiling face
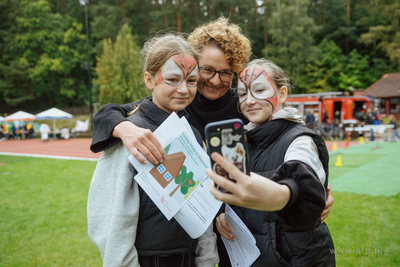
[{"x": 213, "y": 58}]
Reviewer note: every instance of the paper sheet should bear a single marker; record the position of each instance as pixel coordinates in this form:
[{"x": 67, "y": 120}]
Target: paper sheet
[
  {"x": 180, "y": 187},
  {"x": 243, "y": 250}
]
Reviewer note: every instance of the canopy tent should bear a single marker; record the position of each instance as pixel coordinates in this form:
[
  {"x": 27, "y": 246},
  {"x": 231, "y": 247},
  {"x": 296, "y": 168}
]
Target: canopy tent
[
  {"x": 53, "y": 113},
  {"x": 1, "y": 119},
  {"x": 20, "y": 116}
]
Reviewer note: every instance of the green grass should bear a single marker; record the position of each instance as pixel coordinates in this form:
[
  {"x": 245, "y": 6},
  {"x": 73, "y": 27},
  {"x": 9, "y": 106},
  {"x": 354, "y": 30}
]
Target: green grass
[
  {"x": 365, "y": 215},
  {"x": 43, "y": 212},
  {"x": 365, "y": 229}
]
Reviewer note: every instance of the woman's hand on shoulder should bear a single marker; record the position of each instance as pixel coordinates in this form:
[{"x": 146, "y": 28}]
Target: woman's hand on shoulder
[
  {"x": 138, "y": 139},
  {"x": 328, "y": 205},
  {"x": 253, "y": 192}
]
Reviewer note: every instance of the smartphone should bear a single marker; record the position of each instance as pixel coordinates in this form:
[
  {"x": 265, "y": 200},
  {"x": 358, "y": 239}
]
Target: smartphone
[{"x": 228, "y": 139}]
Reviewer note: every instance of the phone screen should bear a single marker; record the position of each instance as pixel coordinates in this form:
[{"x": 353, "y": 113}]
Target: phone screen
[{"x": 227, "y": 138}]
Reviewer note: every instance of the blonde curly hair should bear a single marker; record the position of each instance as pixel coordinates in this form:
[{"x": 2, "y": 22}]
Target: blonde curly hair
[{"x": 225, "y": 36}]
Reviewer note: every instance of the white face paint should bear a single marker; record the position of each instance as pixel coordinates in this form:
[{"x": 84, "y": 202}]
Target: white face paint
[
  {"x": 177, "y": 69},
  {"x": 260, "y": 88}
]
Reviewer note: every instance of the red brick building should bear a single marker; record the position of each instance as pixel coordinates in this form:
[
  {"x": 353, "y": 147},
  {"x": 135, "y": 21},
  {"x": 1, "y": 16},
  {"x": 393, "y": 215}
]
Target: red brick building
[{"x": 387, "y": 89}]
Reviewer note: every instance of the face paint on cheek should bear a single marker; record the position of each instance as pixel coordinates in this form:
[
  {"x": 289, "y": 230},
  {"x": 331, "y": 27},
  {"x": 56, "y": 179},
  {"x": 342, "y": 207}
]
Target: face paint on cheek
[
  {"x": 241, "y": 91},
  {"x": 159, "y": 78},
  {"x": 274, "y": 99},
  {"x": 274, "y": 102}
]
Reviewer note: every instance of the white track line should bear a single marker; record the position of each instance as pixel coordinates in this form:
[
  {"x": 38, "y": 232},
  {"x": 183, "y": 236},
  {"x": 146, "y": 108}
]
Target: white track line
[{"x": 47, "y": 156}]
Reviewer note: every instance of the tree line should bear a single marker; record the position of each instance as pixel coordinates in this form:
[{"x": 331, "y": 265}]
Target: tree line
[{"x": 324, "y": 45}]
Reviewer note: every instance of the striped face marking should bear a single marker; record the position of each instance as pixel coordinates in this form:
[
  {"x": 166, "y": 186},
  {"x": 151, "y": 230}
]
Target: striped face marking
[
  {"x": 256, "y": 81},
  {"x": 177, "y": 69}
]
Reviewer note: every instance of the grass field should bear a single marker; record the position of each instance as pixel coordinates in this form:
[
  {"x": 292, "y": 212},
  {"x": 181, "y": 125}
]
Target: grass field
[
  {"x": 43, "y": 210},
  {"x": 365, "y": 216}
]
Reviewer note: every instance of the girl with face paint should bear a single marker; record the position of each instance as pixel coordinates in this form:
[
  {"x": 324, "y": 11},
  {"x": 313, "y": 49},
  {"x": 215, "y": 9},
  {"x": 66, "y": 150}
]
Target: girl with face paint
[
  {"x": 282, "y": 199},
  {"x": 123, "y": 222}
]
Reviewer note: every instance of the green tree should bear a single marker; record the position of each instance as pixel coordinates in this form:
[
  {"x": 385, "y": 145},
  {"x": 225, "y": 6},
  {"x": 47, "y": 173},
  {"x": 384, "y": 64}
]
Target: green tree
[
  {"x": 323, "y": 74},
  {"x": 184, "y": 181},
  {"x": 356, "y": 72},
  {"x": 119, "y": 70},
  {"x": 384, "y": 33},
  {"x": 106, "y": 21},
  {"x": 291, "y": 32},
  {"x": 333, "y": 71},
  {"x": 13, "y": 76},
  {"x": 47, "y": 53}
]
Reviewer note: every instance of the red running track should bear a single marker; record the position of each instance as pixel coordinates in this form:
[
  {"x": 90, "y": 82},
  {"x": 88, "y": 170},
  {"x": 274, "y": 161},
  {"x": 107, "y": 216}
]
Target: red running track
[
  {"x": 74, "y": 148},
  {"x": 77, "y": 147}
]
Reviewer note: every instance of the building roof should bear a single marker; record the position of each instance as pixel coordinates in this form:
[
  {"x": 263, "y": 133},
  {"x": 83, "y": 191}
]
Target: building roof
[{"x": 386, "y": 87}]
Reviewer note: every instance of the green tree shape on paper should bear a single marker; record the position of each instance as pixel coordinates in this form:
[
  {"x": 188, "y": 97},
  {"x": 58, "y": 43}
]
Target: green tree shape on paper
[{"x": 184, "y": 181}]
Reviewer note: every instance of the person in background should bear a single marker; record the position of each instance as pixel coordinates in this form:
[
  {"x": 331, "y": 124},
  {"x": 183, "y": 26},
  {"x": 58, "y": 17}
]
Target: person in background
[
  {"x": 282, "y": 199},
  {"x": 325, "y": 127},
  {"x": 393, "y": 121},
  {"x": 64, "y": 131},
  {"x": 310, "y": 119},
  {"x": 44, "y": 132},
  {"x": 29, "y": 130},
  {"x": 369, "y": 119},
  {"x": 375, "y": 116},
  {"x": 14, "y": 131},
  {"x": 6, "y": 130},
  {"x": 123, "y": 222}
]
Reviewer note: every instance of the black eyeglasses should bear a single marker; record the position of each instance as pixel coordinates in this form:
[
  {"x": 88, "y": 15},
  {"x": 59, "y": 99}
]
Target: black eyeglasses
[{"x": 226, "y": 76}]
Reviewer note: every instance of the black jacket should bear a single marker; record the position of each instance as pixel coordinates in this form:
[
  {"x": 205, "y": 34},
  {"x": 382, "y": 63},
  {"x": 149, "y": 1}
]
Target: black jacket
[
  {"x": 169, "y": 237},
  {"x": 201, "y": 111},
  {"x": 293, "y": 236}
]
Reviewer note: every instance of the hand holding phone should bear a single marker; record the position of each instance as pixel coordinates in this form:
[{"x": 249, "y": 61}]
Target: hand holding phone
[{"x": 228, "y": 139}]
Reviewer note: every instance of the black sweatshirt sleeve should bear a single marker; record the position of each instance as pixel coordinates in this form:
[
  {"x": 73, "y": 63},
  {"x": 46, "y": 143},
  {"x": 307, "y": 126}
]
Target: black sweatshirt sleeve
[
  {"x": 104, "y": 122},
  {"x": 307, "y": 195}
]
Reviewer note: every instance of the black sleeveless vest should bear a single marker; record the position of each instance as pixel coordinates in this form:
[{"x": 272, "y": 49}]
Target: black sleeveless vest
[
  {"x": 280, "y": 244},
  {"x": 155, "y": 234}
]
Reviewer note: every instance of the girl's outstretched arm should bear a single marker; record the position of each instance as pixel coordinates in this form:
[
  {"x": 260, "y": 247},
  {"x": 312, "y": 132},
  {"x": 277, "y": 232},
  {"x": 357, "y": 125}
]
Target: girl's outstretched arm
[
  {"x": 253, "y": 192},
  {"x": 294, "y": 192}
]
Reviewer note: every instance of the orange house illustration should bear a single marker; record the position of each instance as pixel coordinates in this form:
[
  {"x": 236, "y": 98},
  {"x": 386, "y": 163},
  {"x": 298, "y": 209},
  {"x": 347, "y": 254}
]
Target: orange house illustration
[{"x": 170, "y": 168}]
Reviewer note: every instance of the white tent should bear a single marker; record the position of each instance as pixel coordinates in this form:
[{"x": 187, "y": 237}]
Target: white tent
[
  {"x": 20, "y": 116},
  {"x": 1, "y": 119},
  {"x": 53, "y": 113}
]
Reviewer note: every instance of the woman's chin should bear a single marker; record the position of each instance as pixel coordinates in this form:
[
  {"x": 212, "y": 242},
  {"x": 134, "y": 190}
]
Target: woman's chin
[{"x": 212, "y": 94}]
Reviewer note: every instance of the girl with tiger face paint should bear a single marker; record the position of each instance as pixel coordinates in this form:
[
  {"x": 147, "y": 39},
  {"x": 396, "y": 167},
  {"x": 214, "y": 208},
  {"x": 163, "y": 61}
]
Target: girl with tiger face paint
[
  {"x": 174, "y": 87},
  {"x": 258, "y": 96}
]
